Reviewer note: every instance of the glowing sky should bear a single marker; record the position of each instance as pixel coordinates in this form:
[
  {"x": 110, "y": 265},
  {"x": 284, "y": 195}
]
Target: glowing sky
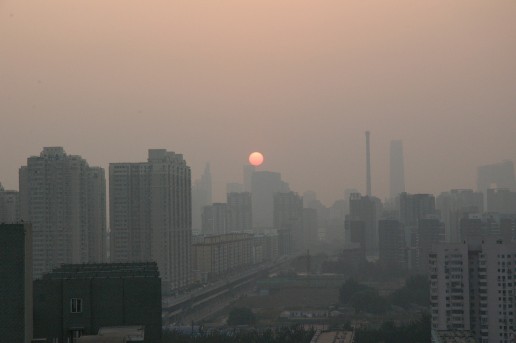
[{"x": 297, "y": 80}]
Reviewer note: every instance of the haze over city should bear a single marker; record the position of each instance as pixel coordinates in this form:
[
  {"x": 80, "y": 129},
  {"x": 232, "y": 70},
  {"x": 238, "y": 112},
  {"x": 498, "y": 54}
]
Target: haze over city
[{"x": 299, "y": 81}]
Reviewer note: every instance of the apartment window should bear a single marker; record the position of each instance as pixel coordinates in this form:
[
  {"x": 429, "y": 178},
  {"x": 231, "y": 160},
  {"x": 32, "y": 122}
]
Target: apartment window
[{"x": 76, "y": 305}]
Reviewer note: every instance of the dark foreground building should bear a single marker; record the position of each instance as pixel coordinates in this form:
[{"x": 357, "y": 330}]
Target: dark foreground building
[
  {"x": 16, "y": 283},
  {"x": 79, "y": 299}
]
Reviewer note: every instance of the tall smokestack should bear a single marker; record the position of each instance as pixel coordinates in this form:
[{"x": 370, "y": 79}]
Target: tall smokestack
[{"x": 368, "y": 164}]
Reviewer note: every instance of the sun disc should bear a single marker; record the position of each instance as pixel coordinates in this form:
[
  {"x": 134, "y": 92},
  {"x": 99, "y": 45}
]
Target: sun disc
[{"x": 256, "y": 158}]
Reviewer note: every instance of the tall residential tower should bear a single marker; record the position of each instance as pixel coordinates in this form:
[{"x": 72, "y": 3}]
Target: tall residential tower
[
  {"x": 151, "y": 214},
  {"x": 64, "y": 199}
]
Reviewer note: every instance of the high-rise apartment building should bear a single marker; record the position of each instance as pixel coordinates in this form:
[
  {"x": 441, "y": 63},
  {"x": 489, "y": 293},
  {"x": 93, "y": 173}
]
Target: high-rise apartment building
[
  {"x": 150, "y": 214},
  {"x": 366, "y": 209},
  {"x": 240, "y": 211},
  {"x": 64, "y": 199},
  {"x": 397, "y": 169},
  {"x": 201, "y": 197},
  {"x": 288, "y": 217},
  {"x": 472, "y": 287},
  {"x": 454, "y": 205},
  {"x": 16, "y": 283},
  {"x": 430, "y": 231},
  {"x": 392, "y": 247},
  {"x": 9, "y": 206},
  {"x": 215, "y": 219}
]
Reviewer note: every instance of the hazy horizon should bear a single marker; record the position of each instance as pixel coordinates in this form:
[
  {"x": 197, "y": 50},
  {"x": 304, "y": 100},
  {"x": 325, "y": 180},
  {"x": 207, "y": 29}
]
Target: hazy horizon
[{"x": 299, "y": 81}]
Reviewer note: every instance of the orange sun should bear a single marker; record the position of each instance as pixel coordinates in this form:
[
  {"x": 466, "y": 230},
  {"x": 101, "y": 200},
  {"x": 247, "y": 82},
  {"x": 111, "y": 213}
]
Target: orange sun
[{"x": 256, "y": 158}]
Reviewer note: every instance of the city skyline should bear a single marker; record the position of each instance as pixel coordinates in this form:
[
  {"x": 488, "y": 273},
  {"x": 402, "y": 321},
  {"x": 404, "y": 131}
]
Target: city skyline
[
  {"x": 222, "y": 185},
  {"x": 298, "y": 81}
]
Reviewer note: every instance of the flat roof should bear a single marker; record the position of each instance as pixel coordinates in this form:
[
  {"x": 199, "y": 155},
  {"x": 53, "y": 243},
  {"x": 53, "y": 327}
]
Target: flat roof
[{"x": 103, "y": 270}]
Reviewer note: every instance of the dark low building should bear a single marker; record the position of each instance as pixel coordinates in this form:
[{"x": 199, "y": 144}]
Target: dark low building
[
  {"x": 16, "y": 283},
  {"x": 79, "y": 299}
]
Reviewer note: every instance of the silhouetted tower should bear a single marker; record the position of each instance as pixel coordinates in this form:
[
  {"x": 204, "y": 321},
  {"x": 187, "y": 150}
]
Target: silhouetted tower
[
  {"x": 397, "y": 175},
  {"x": 368, "y": 164}
]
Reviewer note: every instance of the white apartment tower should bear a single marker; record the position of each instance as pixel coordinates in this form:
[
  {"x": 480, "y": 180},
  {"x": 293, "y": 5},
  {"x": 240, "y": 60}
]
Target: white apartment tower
[
  {"x": 151, "y": 214},
  {"x": 473, "y": 287},
  {"x": 64, "y": 199}
]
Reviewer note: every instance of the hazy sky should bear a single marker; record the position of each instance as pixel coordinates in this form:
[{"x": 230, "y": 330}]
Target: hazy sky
[{"x": 297, "y": 80}]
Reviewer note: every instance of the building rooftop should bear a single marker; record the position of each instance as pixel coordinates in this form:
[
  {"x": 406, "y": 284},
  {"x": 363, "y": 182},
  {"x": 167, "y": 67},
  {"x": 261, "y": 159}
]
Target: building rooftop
[
  {"x": 453, "y": 336},
  {"x": 334, "y": 337},
  {"x": 103, "y": 270}
]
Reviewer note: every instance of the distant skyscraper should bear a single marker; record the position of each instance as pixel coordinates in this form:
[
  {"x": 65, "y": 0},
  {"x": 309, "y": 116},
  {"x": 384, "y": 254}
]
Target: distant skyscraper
[
  {"x": 397, "y": 169},
  {"x": 201, "y": 197},
  {"x": 501, "y": 200},
  {"x": 412, "y": 208},
  {"x": 288, "y": 216},
  {"x": 453, "y": 205},
  {"x": 368, "y": 165},
  {"x": 9, "y": 206},
  {"x": 392, "y": 247},
  {"x": 264, "y": 185},
  {"x": 501, "y": 175},
  {"x": 366, "y": 209},
  {"x": 234, "y": 187},
  {"x": 16, "y": 282},
  {"x": 64, "y": 199},
  {"x": 430, "y": 231},
  {"x": 240, "y": 211},
  {"x": 150, "y": 214},
  {"x": 215, "y": 219},
  {"x": 248, "y": 177}
]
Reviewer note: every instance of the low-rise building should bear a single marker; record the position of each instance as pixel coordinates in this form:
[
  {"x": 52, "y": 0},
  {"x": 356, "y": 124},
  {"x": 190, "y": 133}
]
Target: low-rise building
[
  {"x": 80, "y": 299},
  {"x": 215, "y": 256}
]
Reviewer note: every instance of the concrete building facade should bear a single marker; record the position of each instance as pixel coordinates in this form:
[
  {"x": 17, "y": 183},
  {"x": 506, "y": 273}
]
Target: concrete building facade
[
  {"x": 472, "y": 287},
  {"x": 240, "y": 211},
  {"x": 218, "y": 255},
  {"x": 151, "y": 215},
  {"x": 392, "y": 246},
  {"x": 64, "y": 199},
  {"x": 77, "y": 300}
]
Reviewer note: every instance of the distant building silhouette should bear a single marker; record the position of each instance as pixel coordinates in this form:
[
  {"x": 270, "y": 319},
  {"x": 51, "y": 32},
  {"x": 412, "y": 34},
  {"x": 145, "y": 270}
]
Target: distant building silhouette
[
  {"x": 500, "y": 174},
  {"x": 288, "y": 218},
  {"x": 501, "y": 200},
  {"x": 430, "y": 231},
  {"x": 215, "y": 219},
  {"x": 392, "y": 246},
  {"x": 248, "y": 177},
  {"x": 454, "y": 205},
  {"x": 65, "y": 200},
  {"x": 397, "y": 169},
  {"x": 9, "y": 206},
  {"x": 356, "y": 236},
  {"x": 264, "y": 185},
  {"x": 368, "y": 165},
  {"x": 150, "y": 214},
  {"x": 368, "y": 210},
  {"x": 240, "y": 211},
  {"x": 234, "y": 187},
  {"x": 201, "y": 197},
  {"x": 16, "y": 282}
]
